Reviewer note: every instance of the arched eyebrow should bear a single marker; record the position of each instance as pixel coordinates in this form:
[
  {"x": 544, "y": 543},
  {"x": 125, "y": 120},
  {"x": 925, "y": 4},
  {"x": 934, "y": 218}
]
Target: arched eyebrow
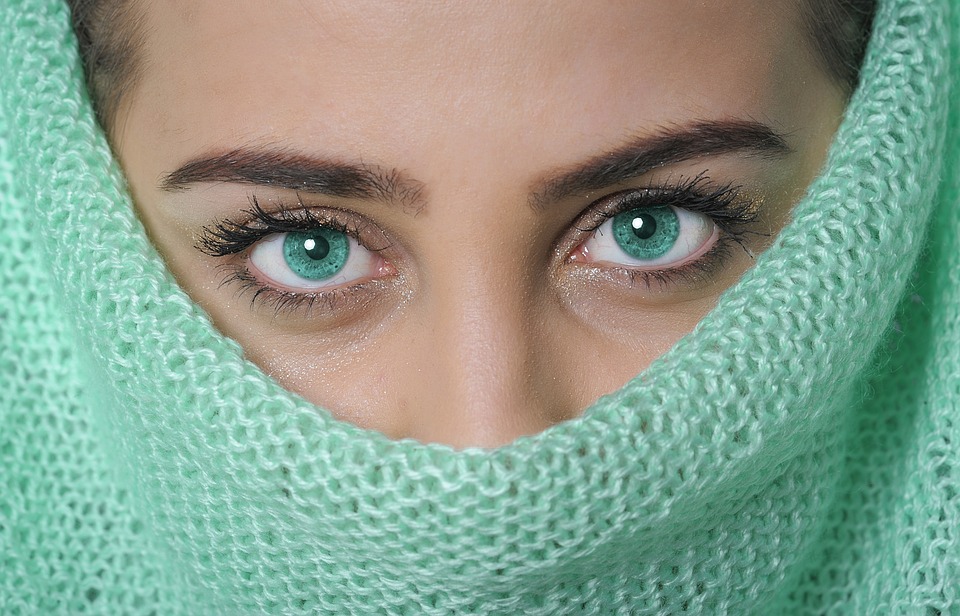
[
  {"x": 279, "y": 168},
  {"x": 284, "y": 169},
  {"x": 668, "y": 146}
]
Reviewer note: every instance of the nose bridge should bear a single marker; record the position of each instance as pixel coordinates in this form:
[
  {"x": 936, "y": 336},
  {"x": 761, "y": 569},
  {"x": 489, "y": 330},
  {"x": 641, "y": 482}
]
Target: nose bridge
[
  {"x": 487, "y": 386},
  {"x": 484, "y": 320}
]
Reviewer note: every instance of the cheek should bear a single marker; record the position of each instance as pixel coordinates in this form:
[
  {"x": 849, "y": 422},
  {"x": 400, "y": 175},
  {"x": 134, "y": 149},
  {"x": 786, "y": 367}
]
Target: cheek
[{"x": 360, "y": 377}]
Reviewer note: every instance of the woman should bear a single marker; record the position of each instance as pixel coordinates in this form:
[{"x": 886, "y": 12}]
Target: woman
[
  {"x": 791, "y": 455},
  {"x": 475, "y": 226}
]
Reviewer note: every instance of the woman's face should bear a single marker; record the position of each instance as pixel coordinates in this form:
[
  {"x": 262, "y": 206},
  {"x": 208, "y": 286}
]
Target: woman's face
[{"x": 464, "y": 222}]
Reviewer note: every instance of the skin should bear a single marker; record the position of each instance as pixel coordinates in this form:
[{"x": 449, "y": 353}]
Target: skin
[{"x": 486, "y": 321}]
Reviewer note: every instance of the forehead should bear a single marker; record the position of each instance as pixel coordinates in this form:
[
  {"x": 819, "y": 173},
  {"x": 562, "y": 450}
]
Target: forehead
[{"x": 387, "y": 80}]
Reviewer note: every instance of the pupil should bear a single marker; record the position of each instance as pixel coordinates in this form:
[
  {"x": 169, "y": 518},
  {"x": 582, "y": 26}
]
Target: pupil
[
  {"x": 317, "y": 247},
  {"x": 644, "y": 226}
]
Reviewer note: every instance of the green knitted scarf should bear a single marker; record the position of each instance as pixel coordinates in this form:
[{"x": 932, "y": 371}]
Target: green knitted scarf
[{"x": 798, "y": 453}]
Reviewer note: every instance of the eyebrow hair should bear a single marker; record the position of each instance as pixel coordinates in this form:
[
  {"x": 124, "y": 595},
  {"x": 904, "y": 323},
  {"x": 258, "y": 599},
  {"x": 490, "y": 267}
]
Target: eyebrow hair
[
  {"x": 670, "y": 145},
  {"x": 284, "y": 169},
  {"x": 294, "y": 171}
]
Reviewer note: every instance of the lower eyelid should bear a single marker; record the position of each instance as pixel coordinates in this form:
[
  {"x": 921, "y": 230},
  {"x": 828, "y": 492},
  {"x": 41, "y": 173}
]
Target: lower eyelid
[
  {"x": 326, "y": 302},
  {"x": 700, "y": 273}
]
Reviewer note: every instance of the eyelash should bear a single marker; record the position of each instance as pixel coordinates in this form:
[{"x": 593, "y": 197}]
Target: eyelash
[{"x": 723, "y": 204}]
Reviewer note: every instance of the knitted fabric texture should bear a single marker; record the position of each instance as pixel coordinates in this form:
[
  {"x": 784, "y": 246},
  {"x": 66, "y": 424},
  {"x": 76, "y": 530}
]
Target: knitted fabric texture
[{"x": 798, "y": 453}]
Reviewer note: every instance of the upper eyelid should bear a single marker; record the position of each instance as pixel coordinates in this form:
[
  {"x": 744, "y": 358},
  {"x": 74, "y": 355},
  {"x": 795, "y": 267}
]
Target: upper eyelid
[
  {"x": 232, "y": 236},
  {"x": 697, "y": 193}
]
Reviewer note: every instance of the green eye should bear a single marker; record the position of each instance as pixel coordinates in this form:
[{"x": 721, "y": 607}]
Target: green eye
[
  {"x": 317, "y": 254},
  {"x": 646, "y": 233}
]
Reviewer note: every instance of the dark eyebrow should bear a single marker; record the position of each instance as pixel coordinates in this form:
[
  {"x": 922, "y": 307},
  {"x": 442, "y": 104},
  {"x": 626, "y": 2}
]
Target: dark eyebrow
[
  {"x": 284, "y": 169},
  {"x": 670, "y": 145},
  {"x": 295, "y": 171}
]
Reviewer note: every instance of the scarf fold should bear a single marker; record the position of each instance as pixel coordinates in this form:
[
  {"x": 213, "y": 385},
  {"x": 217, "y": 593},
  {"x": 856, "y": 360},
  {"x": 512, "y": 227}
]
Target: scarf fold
[{"x": 798, "y": 453}]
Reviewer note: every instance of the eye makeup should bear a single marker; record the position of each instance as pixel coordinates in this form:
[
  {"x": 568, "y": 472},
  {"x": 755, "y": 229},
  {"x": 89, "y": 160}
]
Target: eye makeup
[
  {"x": 725, "y": 207},
  {"x": 722, "y": 211},
  {"x": 238, "y": 242}
]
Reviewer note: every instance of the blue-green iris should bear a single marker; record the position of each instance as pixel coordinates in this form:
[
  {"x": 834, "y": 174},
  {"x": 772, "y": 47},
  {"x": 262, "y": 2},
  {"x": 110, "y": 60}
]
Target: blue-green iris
[
  {"x": 647, "y": 233},
  {"x": 316, "y": 254}
]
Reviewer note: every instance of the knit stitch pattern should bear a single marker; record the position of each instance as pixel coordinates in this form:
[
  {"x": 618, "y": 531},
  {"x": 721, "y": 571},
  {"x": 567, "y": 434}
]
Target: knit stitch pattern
[{"x": 798, "y": 453}]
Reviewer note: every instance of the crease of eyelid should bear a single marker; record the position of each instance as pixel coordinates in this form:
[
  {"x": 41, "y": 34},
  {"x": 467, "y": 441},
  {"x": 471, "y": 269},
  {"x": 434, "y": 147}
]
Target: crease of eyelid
[{"x": 285, "y": 302}]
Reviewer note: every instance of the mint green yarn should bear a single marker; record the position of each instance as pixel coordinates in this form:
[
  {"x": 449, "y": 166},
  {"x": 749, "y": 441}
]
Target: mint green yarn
[{"x": 798, "y": 453}]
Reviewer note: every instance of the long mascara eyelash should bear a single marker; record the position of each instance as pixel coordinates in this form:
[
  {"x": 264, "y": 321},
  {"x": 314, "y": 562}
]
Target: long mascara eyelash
[
  {"x": 228, "y": 237},
  {"x": 724, "y": 203}
]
